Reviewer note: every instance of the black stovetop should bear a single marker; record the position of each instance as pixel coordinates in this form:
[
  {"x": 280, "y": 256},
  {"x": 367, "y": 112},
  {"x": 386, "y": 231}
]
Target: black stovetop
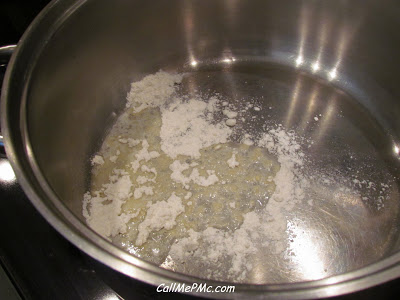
[{"x": 36, "y": 262}]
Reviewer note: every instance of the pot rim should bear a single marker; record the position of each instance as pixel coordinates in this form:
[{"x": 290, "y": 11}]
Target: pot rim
[{"x": 66, "y": 223}]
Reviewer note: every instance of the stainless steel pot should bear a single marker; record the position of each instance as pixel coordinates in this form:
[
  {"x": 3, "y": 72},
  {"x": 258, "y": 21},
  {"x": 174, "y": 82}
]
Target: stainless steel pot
[{"x": 67, "y": 80}]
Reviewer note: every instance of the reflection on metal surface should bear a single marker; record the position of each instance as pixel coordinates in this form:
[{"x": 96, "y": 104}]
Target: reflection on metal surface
[
  {"x": 299, "y": 60},
  {"x": 308, "y": 115},
  {"x": 228, "y": 60},
  {"x": 324, "y": 32},
  {"x": 396, "y": 149},
  {"x": 6, "y": 171},
  {"x": 227, "y": 56},
  {"x": 305, "y": 253},
  {"x": 110, "y": 296},
  {"x": 188, "y": 28},
  {"x": 344, "y": 31},
  {"x": 346, "y": 34},
  {"x": 293, "y": 102},
  {"x": 332, "y": 74},
  {"x": 315, "y": 66},
  {"x": 326, "y": 120},
  {"x": 303, "y": 25}
]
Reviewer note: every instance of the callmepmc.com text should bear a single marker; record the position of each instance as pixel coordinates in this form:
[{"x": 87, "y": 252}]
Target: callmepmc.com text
[{"x": 194, "y": 288}]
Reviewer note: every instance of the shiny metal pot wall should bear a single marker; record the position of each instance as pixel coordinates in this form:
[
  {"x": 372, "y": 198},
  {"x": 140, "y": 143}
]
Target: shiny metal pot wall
[{"x": 68, "y": 78}]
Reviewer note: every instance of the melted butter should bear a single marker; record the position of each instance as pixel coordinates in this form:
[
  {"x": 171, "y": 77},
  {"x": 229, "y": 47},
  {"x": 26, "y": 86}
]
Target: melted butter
[{"x": 239, "y": 190}]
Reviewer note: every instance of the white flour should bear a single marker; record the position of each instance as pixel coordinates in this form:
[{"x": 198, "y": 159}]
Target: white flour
[
  {"x": 232, "y": 162},
  {"x": 187, "y": 127},
  {"x": 106, "y": 215},
  {"x": 289, "y": 181},
  {"x": 152, "y": 91},
  {"x": 178, "y": 168},
  {"x": 160, "y": 215},
  {"x": 211, "y": 246}
]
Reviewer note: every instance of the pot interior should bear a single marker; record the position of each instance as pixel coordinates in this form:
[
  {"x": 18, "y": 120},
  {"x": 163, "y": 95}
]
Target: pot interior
[{"x": 324, "y": 69}]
